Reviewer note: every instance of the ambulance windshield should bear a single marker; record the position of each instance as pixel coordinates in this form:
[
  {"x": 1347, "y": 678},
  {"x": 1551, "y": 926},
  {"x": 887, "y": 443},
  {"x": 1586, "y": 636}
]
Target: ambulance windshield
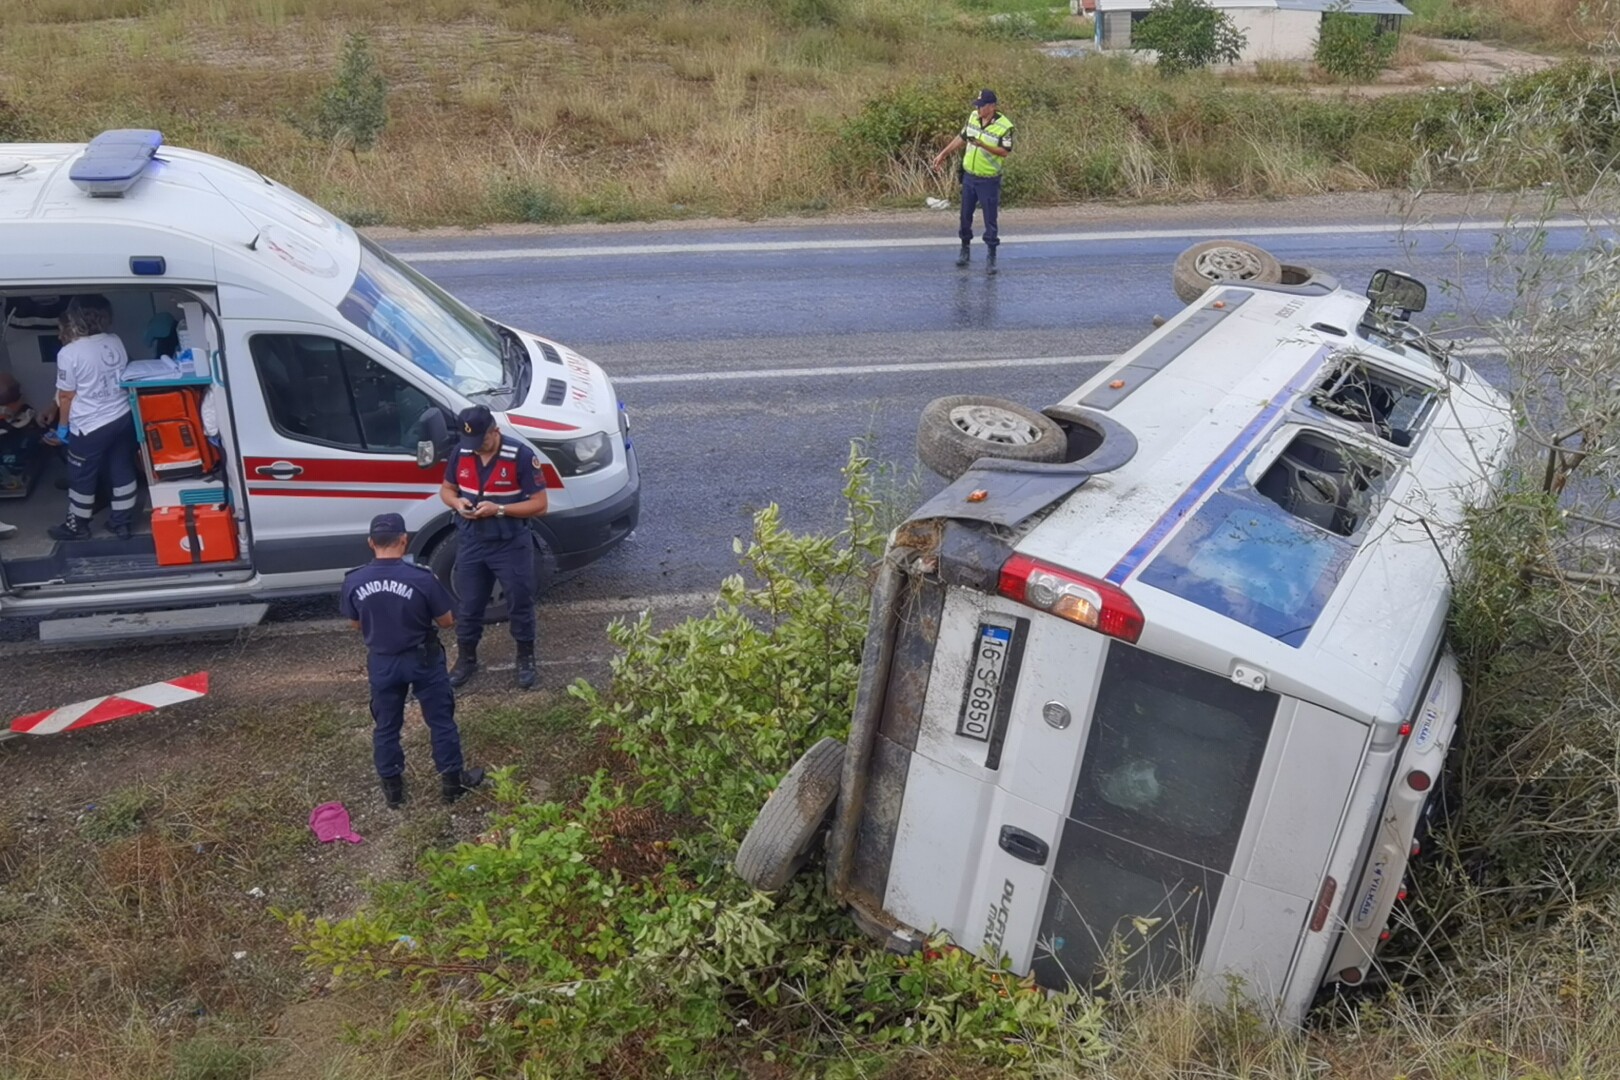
[{"x": 432, "y": 329}]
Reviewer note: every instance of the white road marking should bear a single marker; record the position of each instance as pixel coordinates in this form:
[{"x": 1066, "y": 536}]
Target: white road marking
[
  {"x": 729, "y": 247},
  {"x": 1470, "y": 348},
  {"x": 864, "y": 369}
]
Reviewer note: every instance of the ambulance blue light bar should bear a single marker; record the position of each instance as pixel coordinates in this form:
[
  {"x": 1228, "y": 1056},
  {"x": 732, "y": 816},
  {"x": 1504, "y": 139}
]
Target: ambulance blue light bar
[
  {"x": 113, "y": 161},
  {"x": 148, "y": 265}
]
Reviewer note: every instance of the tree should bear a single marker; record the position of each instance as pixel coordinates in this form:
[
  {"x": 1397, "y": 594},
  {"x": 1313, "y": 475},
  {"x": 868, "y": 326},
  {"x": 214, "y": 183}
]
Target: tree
[
  {"x": 1188, "y": 35},
  {"x": 1352, "y": 46},
  {"x": 354, "y": 110}
]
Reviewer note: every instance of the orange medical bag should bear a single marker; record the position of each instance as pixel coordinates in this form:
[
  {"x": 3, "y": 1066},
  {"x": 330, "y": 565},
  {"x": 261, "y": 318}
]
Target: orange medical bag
[
  {"x": 184, "y": 535},
  {"x": 176, "y": 448}
]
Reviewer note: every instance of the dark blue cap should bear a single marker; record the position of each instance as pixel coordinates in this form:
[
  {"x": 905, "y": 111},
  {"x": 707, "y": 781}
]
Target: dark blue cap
[
  {"x": 387, "y": 528},
  {"x": 986, "y": 97},
  {"x": 473, "y": 423}
]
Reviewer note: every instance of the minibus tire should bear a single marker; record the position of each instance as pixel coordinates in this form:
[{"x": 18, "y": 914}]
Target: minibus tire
[
  {"x": 784, "y": 835},
  {"x": 442, "y": 561},
  {"x": 950, "y": 451},
  {"x": 1245, "y": 262}
]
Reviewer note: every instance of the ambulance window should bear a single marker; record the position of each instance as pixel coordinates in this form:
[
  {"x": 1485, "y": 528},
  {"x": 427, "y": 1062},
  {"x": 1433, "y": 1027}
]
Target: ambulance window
[
  {"x": 1172, "y": 757},
  {"x": 322, "y": 391}
]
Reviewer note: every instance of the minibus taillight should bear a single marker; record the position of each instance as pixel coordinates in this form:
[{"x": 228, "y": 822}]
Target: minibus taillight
[
  {"x": 1075, "y": 597},
  {"x": 1418, "y": 780},
  {"x": 1324, "y": 904}
]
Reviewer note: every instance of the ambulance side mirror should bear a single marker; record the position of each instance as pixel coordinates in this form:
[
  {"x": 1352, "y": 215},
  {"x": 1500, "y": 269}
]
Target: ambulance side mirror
[{"x": 432, "y": 430}]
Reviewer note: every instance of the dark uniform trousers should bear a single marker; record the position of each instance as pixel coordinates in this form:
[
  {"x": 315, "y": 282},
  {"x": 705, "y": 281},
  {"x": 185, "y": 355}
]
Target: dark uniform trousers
[
  {"x": 980, "y": 191},
  {"x": 392, "y": 678},
  {"x": 107, "y": 452},
  {"x": 482, "y": 561}
]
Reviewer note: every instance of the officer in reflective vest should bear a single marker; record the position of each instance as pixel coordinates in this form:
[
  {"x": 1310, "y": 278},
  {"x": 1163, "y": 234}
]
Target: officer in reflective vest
[
  {"x": 987, "y": 135},
  {"x": 494, "y": 485},
  {"x": 398, "y": 607}
]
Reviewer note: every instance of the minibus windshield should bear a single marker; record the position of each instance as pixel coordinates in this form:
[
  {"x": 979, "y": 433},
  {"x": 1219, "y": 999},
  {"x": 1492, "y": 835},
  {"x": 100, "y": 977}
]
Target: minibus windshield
[{"x": 432, "y": 329}]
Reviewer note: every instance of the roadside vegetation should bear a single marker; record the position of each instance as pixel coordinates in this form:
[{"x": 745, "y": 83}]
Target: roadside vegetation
[{"x": 551, "y": 111}]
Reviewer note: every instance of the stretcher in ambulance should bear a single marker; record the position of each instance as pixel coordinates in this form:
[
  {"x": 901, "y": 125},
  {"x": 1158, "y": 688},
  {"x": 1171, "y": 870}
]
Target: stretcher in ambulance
[{"x": 326, "y": 374}]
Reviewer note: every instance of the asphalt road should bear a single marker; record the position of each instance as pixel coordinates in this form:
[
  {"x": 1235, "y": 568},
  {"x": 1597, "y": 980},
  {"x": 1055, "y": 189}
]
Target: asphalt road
[{"x": 750, "y": 356}]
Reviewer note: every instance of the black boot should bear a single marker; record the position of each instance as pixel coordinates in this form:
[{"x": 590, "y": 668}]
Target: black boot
[
  {"x": 453, "y": 785},
  {"x": 962, "y": 258},
  {"x": 526, "y": 677},
  {"x": 990, "y": 261},
  {"x": 393, "y": 788},
  {"x": 72, "y": 529},
  {"x": 466, "y": 665}
]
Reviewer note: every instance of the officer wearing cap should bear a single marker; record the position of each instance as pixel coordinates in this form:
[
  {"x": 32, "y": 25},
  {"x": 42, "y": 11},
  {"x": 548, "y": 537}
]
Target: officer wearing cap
[
  {"x": 987, "y": 135},
  {"x": 398, "y": 607},
  {"x": 494, "y": 485}
]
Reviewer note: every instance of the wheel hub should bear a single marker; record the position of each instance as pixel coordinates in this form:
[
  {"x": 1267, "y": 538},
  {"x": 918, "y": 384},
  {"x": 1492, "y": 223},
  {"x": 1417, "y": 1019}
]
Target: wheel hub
[
  {"x": 1227, "y": 264},
  {"x": 993, "y": 425}
]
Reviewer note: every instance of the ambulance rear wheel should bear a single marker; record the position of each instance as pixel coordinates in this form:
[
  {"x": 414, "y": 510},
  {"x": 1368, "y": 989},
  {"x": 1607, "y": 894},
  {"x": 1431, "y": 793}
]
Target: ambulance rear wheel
[
  {"x": 442, "y": 561},
  {"x": 956, "y": 431},
  {"x": 790, "y": 824}
]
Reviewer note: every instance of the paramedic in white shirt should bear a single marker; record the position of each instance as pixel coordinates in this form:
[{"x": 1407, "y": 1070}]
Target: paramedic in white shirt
[{"x": 94, "y": 419}]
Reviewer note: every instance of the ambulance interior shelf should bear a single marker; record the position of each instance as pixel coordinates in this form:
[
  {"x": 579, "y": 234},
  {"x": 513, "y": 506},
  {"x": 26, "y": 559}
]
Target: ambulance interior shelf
[{"x": 169, "y": 428}]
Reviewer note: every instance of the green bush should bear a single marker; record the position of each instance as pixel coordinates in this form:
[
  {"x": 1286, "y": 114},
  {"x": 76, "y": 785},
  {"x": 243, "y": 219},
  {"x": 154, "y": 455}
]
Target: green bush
[
  {"x": 354, "y": 110},
  {"x": 14, "y": 124},
  {"x": 527, "y": 202},
  {"x": 1353, "y": 47},
  {"x": 905, "y": 125},
  {"x": 1188, "y": 35},
  {"x": 612, "y": 938}
]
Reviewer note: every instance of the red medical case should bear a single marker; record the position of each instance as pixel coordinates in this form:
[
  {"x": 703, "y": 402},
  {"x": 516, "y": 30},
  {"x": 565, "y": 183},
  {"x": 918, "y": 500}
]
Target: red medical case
[{"x": 185, "y": 535}]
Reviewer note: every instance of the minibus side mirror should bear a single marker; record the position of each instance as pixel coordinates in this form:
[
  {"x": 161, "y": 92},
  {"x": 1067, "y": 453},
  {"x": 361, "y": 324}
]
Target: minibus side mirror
[
  {"x": 1391, "y": 290},
  {"x": 426, "y": 453}
]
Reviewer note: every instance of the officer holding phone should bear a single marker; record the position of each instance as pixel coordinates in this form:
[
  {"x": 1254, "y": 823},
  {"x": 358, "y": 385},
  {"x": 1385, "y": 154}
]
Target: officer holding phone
[{"x": 494, "y": 485}]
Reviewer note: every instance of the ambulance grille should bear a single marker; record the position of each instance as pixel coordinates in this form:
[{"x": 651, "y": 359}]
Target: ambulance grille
[
  {"x": 556, "y": 391},
  {"x": 550, "y": 352}
]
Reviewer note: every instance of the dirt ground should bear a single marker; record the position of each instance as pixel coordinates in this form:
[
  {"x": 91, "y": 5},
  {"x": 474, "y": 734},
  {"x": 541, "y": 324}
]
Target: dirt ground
[{"x": 144, "y": 863}]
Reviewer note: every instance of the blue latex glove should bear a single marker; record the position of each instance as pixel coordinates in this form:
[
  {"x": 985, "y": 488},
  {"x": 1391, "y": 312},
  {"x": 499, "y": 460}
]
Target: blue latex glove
[{"x": 62, "y": 434}]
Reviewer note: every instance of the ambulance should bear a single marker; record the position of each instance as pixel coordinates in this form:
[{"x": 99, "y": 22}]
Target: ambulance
[
  {"x": 322, "y": 373},
  {"x": 1156, "y": 690}
]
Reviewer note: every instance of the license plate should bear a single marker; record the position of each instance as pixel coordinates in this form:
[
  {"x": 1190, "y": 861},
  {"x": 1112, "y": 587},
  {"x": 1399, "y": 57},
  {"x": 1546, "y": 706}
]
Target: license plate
[{"x": 984, "y": 682}]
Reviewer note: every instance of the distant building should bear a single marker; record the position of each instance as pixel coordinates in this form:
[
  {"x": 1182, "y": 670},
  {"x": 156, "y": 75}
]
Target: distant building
[{"x": 1274, "y": 29}]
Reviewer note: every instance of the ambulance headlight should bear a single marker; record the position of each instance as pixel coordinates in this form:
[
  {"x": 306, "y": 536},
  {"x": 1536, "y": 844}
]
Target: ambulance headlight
[{"x": 579, "y": 457}]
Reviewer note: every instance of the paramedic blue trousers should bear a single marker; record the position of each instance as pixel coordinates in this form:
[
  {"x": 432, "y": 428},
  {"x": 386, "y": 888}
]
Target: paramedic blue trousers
[
  {"x": 108, "y": 451},
  {"x": 391, "y": 678},
  {"x": 980, "y": 191},
  {"x": 479, "y": 564}
]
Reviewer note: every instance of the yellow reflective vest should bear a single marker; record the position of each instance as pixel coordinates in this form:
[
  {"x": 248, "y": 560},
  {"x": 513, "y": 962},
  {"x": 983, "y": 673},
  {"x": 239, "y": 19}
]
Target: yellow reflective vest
[{"x": 998, "y": 132}]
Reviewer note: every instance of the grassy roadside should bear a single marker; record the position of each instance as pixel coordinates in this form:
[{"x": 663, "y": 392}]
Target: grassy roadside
[
  {"x": 139, "y": 905},
  {"x": 611, "y": 110}
]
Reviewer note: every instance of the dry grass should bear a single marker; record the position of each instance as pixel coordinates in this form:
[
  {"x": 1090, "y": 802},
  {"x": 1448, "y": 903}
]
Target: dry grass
[
  {"x": 132, "y": 944},
  {"x": 548, "y": 110}
]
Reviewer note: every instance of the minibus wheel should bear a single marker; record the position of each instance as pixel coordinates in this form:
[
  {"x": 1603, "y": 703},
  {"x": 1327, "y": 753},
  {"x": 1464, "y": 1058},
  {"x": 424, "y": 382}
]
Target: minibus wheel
[
  {"x": 1215, "y": 261},
  {"x": 442, "y": 561},
  {"x": 956, "y": 431},
  {"x": 784, "y": 835}
]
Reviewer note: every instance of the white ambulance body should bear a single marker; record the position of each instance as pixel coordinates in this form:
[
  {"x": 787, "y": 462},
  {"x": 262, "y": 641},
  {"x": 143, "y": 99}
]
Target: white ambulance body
[
  {"x": 1181, "y": 693},
  {"x": 336, "y": 371}
]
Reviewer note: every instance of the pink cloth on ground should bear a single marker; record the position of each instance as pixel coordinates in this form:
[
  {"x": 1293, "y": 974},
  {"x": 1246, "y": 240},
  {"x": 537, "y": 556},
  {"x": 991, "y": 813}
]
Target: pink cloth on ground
[{"x": 331, "y": 822}]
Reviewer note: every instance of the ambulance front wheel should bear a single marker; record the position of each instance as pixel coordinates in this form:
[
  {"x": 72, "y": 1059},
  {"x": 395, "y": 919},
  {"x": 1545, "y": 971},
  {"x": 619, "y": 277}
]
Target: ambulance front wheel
[
  {"x": 442, "y": 561},
  {"x": 790, "y": 824}
]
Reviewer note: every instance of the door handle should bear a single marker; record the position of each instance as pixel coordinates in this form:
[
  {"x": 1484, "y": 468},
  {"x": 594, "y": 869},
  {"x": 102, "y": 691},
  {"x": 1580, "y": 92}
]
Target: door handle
[
  {"x": 279, "y": 470},
  {"x": 1022, "y": 845}
]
